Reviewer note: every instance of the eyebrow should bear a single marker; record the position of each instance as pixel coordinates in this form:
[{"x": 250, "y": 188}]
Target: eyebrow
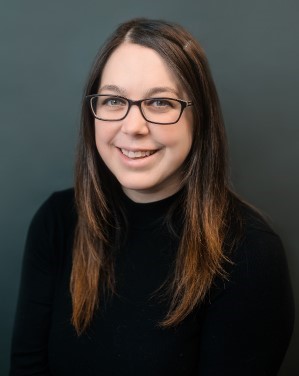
[
  {"x": 162, "y": 89},
  {"x": 148, "y": 93},
  {"x": 115, "y": 88}
]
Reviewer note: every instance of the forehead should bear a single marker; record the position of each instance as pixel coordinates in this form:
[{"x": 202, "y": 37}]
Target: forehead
[{"x": 137, "y": 68}]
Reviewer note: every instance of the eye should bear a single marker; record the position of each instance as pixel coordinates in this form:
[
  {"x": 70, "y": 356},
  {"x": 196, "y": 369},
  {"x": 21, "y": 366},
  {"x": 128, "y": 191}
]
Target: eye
[
  {"x": 159, "y": 103},
  {"x": 112, "y": 101}
]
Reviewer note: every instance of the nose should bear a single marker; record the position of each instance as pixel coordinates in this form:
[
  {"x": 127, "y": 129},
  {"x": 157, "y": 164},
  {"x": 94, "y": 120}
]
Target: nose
[{"x": 134, "y": 123}]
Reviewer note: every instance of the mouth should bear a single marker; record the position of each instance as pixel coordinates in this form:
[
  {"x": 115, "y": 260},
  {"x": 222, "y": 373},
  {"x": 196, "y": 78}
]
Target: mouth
[{"x": 139, "y": 154}]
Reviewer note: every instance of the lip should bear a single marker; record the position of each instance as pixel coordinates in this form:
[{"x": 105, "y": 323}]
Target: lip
[
  {"x": 136, "y": 149},
  {"x": 134, "y": 154},
  {"x": 138, "y": 160}
]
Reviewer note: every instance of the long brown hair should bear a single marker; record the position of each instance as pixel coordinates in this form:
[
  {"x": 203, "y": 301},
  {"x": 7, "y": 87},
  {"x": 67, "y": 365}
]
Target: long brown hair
[{"x": 207, "y": 201}]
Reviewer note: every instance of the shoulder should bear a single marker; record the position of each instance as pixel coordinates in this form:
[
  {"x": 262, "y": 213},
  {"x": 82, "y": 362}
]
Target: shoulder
[
  {"x": 62, "y": 200},
  {"x": 50, "y": 235},
  {"x": 259, "y": 242},
  {"x": 258, "y": 259},
  {"x": 59, "y": 202},
  {"x": 257, "y": 274},
  {"x": 57, "y": 213},
  {"x": 249, "y": 317}
]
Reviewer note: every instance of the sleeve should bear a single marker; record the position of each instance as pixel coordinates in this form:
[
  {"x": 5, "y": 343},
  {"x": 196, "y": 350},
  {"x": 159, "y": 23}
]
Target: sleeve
[
  {"x": 33, "y": 314},
  {"x": 248, "y": 325}
]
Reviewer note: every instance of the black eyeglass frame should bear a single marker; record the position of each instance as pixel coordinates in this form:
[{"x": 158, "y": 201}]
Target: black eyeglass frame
[{"x": 138, "y": 103}]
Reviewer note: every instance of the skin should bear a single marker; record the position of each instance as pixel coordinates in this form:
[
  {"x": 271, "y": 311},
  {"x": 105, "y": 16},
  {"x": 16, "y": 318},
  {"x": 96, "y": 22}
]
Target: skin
[{"x": 137, "y": 72}]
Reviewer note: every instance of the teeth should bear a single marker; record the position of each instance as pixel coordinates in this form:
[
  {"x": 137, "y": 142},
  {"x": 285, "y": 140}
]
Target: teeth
[{"x": 137, "y": 154}]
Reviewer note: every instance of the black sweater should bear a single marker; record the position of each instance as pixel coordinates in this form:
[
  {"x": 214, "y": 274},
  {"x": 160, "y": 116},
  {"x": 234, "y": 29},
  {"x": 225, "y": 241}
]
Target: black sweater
[{"x": 243, "y": 328}]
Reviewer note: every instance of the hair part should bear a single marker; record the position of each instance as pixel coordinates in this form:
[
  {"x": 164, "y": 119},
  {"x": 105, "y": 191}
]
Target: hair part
[{"x": 208, "y": 201}]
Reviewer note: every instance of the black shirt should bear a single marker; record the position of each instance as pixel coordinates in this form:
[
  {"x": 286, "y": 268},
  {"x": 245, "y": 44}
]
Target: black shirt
[{"x": 243, "y": 328}]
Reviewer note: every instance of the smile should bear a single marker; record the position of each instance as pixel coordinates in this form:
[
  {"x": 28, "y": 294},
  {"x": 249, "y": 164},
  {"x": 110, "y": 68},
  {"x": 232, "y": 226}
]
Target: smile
[{"x": 137, "y": 154}]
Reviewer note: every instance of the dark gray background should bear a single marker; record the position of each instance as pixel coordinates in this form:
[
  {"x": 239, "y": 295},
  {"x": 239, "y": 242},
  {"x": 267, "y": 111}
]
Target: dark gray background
[{"x": 47, "y": 48}]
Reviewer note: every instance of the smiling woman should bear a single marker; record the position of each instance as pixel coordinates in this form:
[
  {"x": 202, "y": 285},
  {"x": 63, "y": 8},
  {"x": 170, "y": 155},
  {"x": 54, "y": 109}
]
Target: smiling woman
[
  {"x": 151, "y": 265},
  {"x": 145, "y": 157}
]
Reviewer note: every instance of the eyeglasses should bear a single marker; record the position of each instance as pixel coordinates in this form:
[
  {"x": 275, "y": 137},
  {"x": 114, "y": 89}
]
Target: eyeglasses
[{"x": 154, "y": 110}]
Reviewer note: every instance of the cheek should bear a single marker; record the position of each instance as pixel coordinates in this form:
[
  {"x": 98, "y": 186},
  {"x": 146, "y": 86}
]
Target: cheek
[
  {"x": 103, "y": 138},
  {"x": 182, "y": 135},
  {"x": 184, "y": 144},
  {"x": 178, "y": 141},
  {"x": 98, "y": 140}
]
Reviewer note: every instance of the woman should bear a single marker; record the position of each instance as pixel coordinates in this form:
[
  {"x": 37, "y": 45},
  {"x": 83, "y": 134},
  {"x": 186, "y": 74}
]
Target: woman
[{"x": 151, "y": 265}]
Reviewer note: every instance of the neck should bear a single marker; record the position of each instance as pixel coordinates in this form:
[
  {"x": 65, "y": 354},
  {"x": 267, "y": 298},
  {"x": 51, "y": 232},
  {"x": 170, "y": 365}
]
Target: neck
[{"x": 144, "y": 196}]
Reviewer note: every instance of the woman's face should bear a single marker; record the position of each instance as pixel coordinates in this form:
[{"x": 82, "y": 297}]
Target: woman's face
[{"x": 145, "y": 158}]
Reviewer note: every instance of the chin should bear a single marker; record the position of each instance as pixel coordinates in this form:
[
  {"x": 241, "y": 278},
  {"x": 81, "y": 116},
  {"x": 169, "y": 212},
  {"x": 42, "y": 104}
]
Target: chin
[{"x": 138, "y": 187}]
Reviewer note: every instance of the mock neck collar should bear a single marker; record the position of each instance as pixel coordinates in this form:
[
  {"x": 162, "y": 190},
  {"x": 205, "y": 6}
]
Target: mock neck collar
[{"x": 146, "y": 215}]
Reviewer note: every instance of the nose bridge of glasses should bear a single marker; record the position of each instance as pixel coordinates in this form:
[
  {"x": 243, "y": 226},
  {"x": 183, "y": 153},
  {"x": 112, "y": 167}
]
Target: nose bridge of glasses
[{"x": 137, "y": 103}]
